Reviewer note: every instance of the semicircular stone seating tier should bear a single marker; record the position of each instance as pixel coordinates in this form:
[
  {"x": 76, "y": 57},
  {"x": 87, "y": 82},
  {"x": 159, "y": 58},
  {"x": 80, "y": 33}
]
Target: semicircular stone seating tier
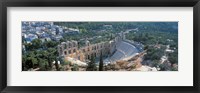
[{"x": 123, "y": 50}]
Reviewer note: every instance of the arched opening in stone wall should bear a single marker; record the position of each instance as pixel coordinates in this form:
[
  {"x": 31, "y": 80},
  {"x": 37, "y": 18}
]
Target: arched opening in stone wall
[
  {"x": 65, "y": 52},
  {"x": 74, "y": 50}
]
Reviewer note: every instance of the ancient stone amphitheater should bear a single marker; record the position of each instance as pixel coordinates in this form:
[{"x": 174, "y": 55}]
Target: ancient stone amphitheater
[{"x": 115, "y": 50}]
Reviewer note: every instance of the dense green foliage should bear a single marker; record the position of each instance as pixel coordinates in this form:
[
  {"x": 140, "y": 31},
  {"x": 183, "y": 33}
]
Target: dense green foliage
[
  {"x": 120, "y": 26},
  {"x": 106, "y": 29},
  {"x": 39, "y": 55},
  {"x": 92, "y": 65},
  {"x": 154, "y": 53},
  {"x": 173, "y": 57}
]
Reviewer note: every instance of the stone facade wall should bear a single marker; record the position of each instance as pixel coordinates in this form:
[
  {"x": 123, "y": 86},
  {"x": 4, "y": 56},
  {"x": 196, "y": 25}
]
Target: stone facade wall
[{"x": 70, "y": 49}]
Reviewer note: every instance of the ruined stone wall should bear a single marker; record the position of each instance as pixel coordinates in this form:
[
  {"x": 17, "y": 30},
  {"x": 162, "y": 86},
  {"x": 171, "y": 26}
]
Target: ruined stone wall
[{"x": 70, "y": 49}]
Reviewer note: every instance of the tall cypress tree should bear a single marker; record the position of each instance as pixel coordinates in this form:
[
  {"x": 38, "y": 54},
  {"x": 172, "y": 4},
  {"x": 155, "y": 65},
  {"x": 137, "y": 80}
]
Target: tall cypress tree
[{"x": 101, "y": 62}]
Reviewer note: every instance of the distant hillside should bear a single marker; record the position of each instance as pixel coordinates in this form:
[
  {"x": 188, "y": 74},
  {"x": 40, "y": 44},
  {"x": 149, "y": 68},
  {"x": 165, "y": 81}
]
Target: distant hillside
[{"x": 120, "y": 26}]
